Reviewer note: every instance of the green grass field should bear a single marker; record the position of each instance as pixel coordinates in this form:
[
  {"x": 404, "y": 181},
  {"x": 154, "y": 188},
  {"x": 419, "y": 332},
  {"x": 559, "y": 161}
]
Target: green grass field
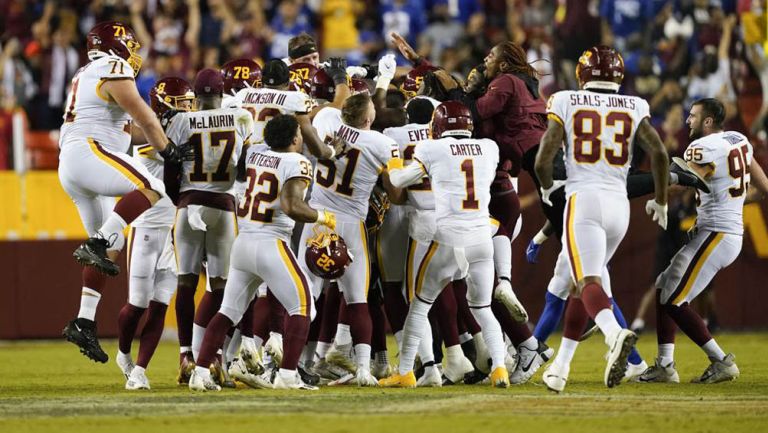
[{"x": 50, "y": 387}]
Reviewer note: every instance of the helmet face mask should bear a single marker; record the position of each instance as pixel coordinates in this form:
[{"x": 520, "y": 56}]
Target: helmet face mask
[
  {"x": 301, "y": 75},
  {"x": 451, "y": 119},
  {"x": 171, "y": 93},
  {"x": 116, "y": 39},
  {"x": 600, "y": 67},
  {"x": 327, "y": 255},
  {"x": 240, "y": 73}
]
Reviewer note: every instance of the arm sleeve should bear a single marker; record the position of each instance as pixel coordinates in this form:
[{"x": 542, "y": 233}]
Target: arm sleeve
[
  {"x": 407, "y": 176},
  {"x": 301, "y": 168},
  {"x": 115, "y": 68}
]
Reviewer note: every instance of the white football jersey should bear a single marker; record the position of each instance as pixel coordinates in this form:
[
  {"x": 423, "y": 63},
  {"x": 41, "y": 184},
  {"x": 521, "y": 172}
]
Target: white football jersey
[
  {"x": 264, "y": 104},
  {"x": 91, "y": 114},
  {"x": 344, "y": 184},
  {"x": 599, "y": 132},
  {"x": 729, "y": 154},
  {"x": 218, "y": 137},
  {"x": 407, "y": 138},
  {"x": 163, "y": 213},
  {"x": 461, "y": 171},
  {"x": 267, "y": 171}
]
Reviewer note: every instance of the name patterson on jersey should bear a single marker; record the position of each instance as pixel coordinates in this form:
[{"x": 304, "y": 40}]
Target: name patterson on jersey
[
  {"x": 217, "y": 121},
  {"x": 466, "y": 150},
  {"x": 261, "y": 160},
  {"x": 597, "y": 100}
]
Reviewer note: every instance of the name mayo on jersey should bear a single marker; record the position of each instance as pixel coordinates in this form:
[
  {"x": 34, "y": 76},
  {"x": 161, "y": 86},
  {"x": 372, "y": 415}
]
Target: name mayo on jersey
[
  {"x": 217, "y": 121},
  {"x": 729, "y": 156},
  {"x": 599, "y": 132}
]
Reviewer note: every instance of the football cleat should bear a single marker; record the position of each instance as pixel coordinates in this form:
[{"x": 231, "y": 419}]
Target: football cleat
[
  {"x": 510, "y": 361},
  {"x": 381, "y": 370},
  {"x": 186, "y": 367},
  {"x": 720, "y": 370},
  {"x": 137, "y": 380},
  {"x": 430, "y": 378},
  {"x": 686, "y": 176},
  {"x": 221, "y": 375},
  {"x": 274, "y": 347},
  {"x": 239, "y": 371},
  {"x": 504, "y": 294},
  {"x": 364, "y": 377},
  {"x": 500, "y": 377},
  {"x": 93, "y": 252},
  {"x": 125, "y": 363},
  {"x": 617, "y": 357},
  {"x": 474, "y": 377},
  {"x": 635, "y": 370},
  {"x": 456, "y": 365},
  {"x": 341, "y": 356},
  {"x": 658, "y": 373},
  {"x": 308, "y": 377},
  {"x": 82, "y": 332},
  {"x": 201, "y": 382},
  {"x": 529, "y": 362},
  {"x": 251, "y": 358},
  {"x": 294, "y": 382},
  {"x": 328, "y": 371},
  {"x": 397, "y": 380},
  {"x": 556, "y": 376}
]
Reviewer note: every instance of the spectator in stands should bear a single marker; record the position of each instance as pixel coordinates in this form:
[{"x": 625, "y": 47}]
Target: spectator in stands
[
  {"x": 623, "y": 18},
  {"x": 443, "y": 32},
  {"x": 405, "y": 17},
  {"x": 289, "y": 21},
  {"x": 340, "y": 37}
]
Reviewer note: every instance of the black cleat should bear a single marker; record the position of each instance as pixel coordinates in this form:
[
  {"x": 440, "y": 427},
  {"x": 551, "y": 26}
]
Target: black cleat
[
  {"x": 93, "y": 252},
  {"x": 686, "y": 176},
  {"x": 308, "y": 377},
  {"x": 474, "y": 377},
  {"x": 82, "y": 332}
]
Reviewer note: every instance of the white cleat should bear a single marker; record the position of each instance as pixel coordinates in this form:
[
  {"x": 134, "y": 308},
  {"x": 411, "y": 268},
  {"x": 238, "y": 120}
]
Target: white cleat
[
  {"x": 294, "y": 382},
  {"x": 274, "y": 347},
  {"x": 634, "y": 371},
  {"x": 251, "y": 358},
  {"x": 430, "y": 378},
  {"x": 529, "y": 361},
  {"x": 125, "y": 362},
  {"x": 511, "y": 361},
  {"x": 456, "y": 365},
  {"x": 239, "y": 371},
  {"x": 137, "y": 380},
  {"x": 341, "y": 356},
  {"x": 365, "y": 378},
  {"x": 201, "y": 382},
  {"x": 381, "y": 370},
  {"x": 504, "y": 294},
  {"x": 328, "y": 371},
  {"x": 555, "y": 377},
  {"x": 658, "y": 373},
  {"x": 720, "y": 370},
  {"x": 616, "y": 366}
]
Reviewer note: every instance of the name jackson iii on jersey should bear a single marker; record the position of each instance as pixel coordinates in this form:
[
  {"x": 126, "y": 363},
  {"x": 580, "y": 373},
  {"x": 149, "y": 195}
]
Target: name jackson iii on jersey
[
  {"x": 264, "y": 104},
  {"x": 218, "y": 137},
  {"x": 728, "y": 155},
  {"x": 90, "y": 114},
  {"x": 344, "y": 184},
  {"x": 259, "y": 210},
  {"x": 599, "y": 131}
]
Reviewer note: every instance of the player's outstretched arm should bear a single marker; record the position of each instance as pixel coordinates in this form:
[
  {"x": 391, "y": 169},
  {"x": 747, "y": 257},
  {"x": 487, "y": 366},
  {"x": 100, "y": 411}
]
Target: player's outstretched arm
[
  {"x": 293, "y": 204},
  {"x": 126, "y": 95},
  {"x": 386, "y": 117},
  {"x": 758, "y": 186},
  {"x": 550, "y": 143},
  {"x": 651, "y": 143},
  {"x": 316, "y": 147}
]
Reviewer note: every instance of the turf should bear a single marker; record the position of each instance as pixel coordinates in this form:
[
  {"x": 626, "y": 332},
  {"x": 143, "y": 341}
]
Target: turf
[{"x": 50, "y": 387}]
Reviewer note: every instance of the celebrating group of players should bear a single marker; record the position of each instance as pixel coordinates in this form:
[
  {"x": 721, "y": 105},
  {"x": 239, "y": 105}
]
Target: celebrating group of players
[{"x": 412, "y": 211}]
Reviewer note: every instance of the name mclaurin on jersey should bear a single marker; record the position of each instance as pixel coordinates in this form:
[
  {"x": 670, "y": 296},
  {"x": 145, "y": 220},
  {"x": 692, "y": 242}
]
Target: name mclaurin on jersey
[
  {"x": 265, "y": 98},
  {"x": 219, "y": 121},
  {"x": 466, "y": 150},
  {"x": 597, "y": 101}
]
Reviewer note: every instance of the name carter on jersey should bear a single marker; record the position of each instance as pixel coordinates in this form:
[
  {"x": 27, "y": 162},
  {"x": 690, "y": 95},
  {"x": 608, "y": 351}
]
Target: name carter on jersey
[{"x": 466, "y": 150}]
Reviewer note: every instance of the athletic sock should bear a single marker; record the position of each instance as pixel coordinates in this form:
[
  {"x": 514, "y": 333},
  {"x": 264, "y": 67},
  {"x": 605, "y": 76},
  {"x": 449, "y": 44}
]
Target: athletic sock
[
  {"x": 343, "y": 335},
  {"x": 713, "y": 350},
  {"x": 666, "y": 353},
  {"x": 415, "y": 328},
  {"x": 634, "y": 357},
  {"x": 89, "y": 301},
  {"x": 566, "y": 351},
  {"x": 550, "y": 317},
  {"x": 491, "y": 335}
]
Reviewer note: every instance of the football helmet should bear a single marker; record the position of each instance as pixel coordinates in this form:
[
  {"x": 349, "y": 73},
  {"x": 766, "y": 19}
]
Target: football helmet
[
  {"x": 117, "y": 39},
  {"x": 600, "y": 67},
  {"x": 240, "y": 73},
  {"x": 169, "y": 93},
  {"x": 451, "y": 118},
  {"x": 413, "y": 80},
  {"x": 378, "y": 205},
  {"x": 301, "y": 77},
  {"x": 359, "y": 86},
  {"x": 327, "y": 255}
]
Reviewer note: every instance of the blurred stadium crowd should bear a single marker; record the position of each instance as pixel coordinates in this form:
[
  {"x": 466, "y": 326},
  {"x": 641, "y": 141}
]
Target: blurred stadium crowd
[{"x": 675, "y": 50}]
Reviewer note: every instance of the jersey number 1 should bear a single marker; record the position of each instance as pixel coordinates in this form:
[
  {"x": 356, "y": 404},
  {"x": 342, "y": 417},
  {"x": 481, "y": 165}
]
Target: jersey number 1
[{"x": 469, "y": 203}]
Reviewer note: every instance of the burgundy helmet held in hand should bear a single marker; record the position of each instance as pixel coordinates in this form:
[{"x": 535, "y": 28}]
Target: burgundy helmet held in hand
[
  {"x": 301, "y": 77},
  {"x": 451, "y": 119},
  {"x": 327, "y": 255},
  {"x": 239, "y": 74},
  {"x": 413, "y": 80},
  {"x": 171, "y": 93},
  {"x": 322, "y": 86},
  {"x": 600, "y": 67},
  {"x": 117, "y": 39}
]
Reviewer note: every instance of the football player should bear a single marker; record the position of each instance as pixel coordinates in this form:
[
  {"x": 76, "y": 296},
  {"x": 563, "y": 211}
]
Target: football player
[
  {"x": 599, "y": 127},
  {"x": 205, "y": 221},
  {"x": 303, "y": 49},
  {"x": 278, "y": 176},
  {"x": 343, "y": 185},
  {"x": 239, "y": 74},
  {"x": 151, "y": 258},
  {"x": 725, "y": 160},
  {"x": 102, "y": 104},
  {"x": 460, "y": 170}
]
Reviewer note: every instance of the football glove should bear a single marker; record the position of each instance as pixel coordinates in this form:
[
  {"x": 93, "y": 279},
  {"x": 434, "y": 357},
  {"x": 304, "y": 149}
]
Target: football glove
[
  {"x": 532, "y": 252},
  {"x": 337, "y": 70},
  {"x": 658, "y": 212},
  {"x": 177, "y": 154},
  {"x": 545, "y": 193},
  {"x": 327, "y": 219}
]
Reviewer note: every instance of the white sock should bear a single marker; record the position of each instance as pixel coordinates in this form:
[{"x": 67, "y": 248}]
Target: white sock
[
  {"x": 114, "y": 225},
  {"x": 566, "y": 351},
  {"x": 247, "y": 342},
  {"x": 453, "y": 353},
  {"x": 426, "y": 351},
  {"x": 637, "y": 323},
  {"x": 138, "y": 371},
  {"x": 502, "y": 257},
  {"x": 399, "y": 339},
  {"x": 185, "y": 349},
  {"x": 491, "y": 335},
  {"x": 608, "y": 325},
  {"x": 322, "y": 348},
  {"x": 416, "y": 324},
  {"x": 363, "y": 356},
  {"x": 89, "y": 301},
  {"x": 713, "y": 350},
  {"x": 666, "y": 353},
  {"x": 203, "y": 372},
  {"x": 343, "y": 336},
  {"x": 308, "y": 353},
  {"x": 463, "y": 338},
  {"x": 257, "y": 342},
  {"x": 540, "y": 238},
  {"x": 287, "y": 374},
  {"x": 233, "y": 348},
  {"x": 531, "y": 343},
  {"x": 198, "y": 332}
]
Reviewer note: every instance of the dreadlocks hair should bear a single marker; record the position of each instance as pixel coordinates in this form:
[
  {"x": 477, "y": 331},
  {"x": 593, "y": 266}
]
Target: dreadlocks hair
[{"x": 516, "y": 61}]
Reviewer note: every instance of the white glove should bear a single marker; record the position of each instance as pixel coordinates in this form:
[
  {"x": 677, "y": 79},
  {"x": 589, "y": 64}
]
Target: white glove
[
  {"x": 545, "y": 193},
  {"x": 657, "y": 211},
  {"x": 356, "y": 71},
  {"x": 387, "y": 66}
]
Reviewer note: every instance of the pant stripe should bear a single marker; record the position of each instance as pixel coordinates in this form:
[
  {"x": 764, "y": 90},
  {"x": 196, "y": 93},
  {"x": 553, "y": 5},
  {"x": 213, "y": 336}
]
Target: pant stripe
[
  {"x": 131, "y": 235},
  {"x": 423, "y": 266},
  {"x": 573, "y": 253},
  {"x": 118, "y": 164},
  {"x": 296, "y": 275},
  {"x": 364, "y": 238},
  {"x": 409, "y": 282},
  {"x": 692, "y": 272}
]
